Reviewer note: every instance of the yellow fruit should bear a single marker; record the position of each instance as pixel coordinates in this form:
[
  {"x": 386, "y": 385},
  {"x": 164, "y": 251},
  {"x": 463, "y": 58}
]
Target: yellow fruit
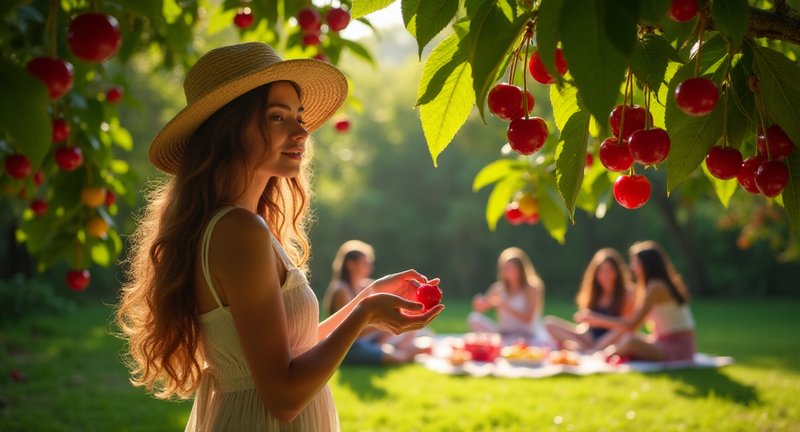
[
  {"x": 93, "y": 196},
  {"x": 527, "y": 205},
  {"x": 96, "y": 227}
]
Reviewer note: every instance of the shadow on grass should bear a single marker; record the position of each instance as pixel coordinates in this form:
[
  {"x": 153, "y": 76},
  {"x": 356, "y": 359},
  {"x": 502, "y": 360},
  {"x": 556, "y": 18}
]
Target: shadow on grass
[
  {"x": 703, "y": 383},
  {"x": 361, "y": 380}
]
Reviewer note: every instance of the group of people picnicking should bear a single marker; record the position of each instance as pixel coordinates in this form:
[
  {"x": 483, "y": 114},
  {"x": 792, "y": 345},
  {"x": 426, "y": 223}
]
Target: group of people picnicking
[{"x": 614, "y": 301}]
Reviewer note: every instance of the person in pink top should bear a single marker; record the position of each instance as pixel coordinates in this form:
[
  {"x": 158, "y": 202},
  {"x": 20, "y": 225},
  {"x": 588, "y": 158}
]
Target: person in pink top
[{"x": 663, "y": 302}]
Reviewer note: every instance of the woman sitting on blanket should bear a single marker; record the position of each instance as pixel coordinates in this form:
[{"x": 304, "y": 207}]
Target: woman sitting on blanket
[
  {"x": 352, "y": 268},
  {"x": 517, "y": 296},
  {"x": 606, "y": 289},
  {"x": 663, "y": 302}
]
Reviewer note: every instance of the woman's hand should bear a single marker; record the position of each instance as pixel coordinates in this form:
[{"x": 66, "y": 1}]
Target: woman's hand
[
  {"x": 386, "y": 312},
  {"x": 479, "y": 303},
  {"x": 495, "y": 300},
  {"x": 402, "y": 284},
  {"x": 581, "y": 316}
]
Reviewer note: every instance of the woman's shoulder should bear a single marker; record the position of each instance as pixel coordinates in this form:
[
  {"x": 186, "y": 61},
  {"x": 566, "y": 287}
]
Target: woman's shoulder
[
  {"x": 658, "y": 290},
  {"x": 239, "y": 229}
]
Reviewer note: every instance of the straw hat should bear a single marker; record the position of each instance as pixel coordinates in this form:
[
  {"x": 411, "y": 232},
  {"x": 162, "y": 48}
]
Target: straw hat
[{"x": 223, "y": 74}]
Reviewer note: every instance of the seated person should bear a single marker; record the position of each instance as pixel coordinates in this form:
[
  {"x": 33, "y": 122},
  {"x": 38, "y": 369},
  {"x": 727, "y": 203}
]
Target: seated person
[
  {"x": 517, "y": 296},
  {"x": 351, "y": 270},
  {"x": 606, "y": 289}
]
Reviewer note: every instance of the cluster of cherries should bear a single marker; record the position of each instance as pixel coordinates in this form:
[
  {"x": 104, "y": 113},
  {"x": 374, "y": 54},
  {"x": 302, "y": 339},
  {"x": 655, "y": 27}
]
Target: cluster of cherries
[
  {"x": 524, "y": 209},
  {"x": 94, "y": 38},
  {"x": 310, "y": 22}
]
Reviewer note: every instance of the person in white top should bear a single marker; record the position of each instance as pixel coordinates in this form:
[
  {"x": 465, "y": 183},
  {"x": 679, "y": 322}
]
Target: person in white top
[
  {"x": 517, "y": 296},
  {"x": 663, "y": 303},
  {"x": 217, "y": 304}
]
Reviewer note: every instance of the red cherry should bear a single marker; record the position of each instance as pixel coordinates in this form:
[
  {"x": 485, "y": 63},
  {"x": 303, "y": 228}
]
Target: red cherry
[
  {"x": 780, "y": 145},
  {"x": 244, "y": 18},
  {"x": 337, "y": 19},
  {"x": 114, "y": 94},
  {"x": 772, "y": 177},
  {"x": 94, "y": 37},
  {"x": 320, "y": 57},
  {"x": 696, "y": 96},
  {"x": 532, "y": 219},
  {"x": 615, "y": 156},
  {"x": 505, "y": 102},
  {"x": 649, "y": 146},
  {"x": 69, "y": 158},
  {"x": 39, "y": 207},
  {"x": 78, "y": 280},
  {"x": 110, "y": 198},
  {"x": 429, "y": 295},
  {"x": 589, "y": 160},
  {"x": 682, "y": 10},
  {"x": 632, "y": 191},
  {"x": 342, "y": 126},
  {"x": 308, "y": 20},
  {"x": 38, "y": 178},
  {"x": 55, "y": 73},
  {"x": 527, "y": 135},
  {"x": 747, "y": 175},
  {"x": 17, "y": 375},
  {"x": 514, "y": 215},
  {"x": 634, "y": 120},
  {"x": 540, "y": 73},
  {"x": 724, "y": 162},
  {"x": 60, "y": 130},
  {"x": 311, "y": 39},
  {"x": 18, "y": 166}
]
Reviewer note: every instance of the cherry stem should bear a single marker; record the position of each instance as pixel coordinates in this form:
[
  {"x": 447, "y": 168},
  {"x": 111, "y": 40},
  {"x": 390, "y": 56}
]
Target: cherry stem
[
  {"x": 646, "y": 96},
  {"x": 701, "y": 25},
  {"x": 725, "y": 142},
  {"x": 762, "y": 111},
  {"x": 52, "y": 28},
  {"x": 527, "y": 42},
  {"x": 624, "y": 105}
]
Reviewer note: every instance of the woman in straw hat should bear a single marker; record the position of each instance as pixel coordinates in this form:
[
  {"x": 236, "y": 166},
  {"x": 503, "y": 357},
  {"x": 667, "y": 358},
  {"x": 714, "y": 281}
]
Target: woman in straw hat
[{"x": 217, "y": 303}]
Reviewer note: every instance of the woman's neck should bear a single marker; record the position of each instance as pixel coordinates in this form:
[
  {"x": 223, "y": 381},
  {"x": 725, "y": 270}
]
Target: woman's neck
[{"x": 252, "y": 195}]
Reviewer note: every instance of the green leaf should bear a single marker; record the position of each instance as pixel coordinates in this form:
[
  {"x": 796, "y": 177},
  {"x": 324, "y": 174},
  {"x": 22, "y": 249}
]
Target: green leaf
[
  {"x": 571, "y": 158},
  {"x": 724, "y": 189},
  {"x": 780, "y": 89},
  {"x": 359, "y": 50},
  {"x": 732, "y": 18},
  {"x": 493, "y": 172},
  {"x": 565, "y": 103},
  {"x": 551, "y": 214},
  {"x": 446, "y": 110},
  {"x": 621, "y": 17},
  {"x": 500, "y": 197},
  {"x": 28, "y": 123},
  {"x": 653, "y": 11},
  {"x": 409, "y": 10},
  {"x": 597, "y": 66},
  {"x": 548, "y": 34},
  {"x": 432, "y": 17},
  {"x": 791, "y": 195},
  {"x": 100, "y": 254},
  {"x": 650, "y": 59},
  {"x": 365, "y": 7},
  {"x": 494, "y": 30},
  {"x": 146, "y": 8}
]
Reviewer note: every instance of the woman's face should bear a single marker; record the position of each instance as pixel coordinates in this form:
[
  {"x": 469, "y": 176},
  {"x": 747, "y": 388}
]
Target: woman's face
[
  {"x": 511, "y": 273},
  {"x": 361, "y": 268},
  {"x": 606, "y": 276},
  {"x": 284, "y": 132},
  {"x": 636, "y": 268}
]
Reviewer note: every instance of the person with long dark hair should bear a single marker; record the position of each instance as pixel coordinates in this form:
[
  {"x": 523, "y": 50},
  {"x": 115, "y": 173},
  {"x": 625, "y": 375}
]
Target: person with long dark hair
[
  {"x": 663, "y": 301},
  {"x": 352, "y": 267},
  {"x": 606, "y": 289}
]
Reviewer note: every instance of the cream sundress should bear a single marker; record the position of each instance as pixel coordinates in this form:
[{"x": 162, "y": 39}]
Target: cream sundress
[{"x": 226, "y": 399}]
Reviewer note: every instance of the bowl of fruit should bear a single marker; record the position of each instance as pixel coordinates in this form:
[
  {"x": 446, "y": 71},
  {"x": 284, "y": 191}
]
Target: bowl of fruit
[
  {"x": 520, "y": 354},
  {"x": 483, "y": 347},
  {"x": 565, "y": 357}
]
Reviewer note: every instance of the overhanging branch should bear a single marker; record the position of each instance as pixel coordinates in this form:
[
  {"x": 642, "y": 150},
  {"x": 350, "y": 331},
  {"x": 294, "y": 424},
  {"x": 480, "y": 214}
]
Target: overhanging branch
[{"x": 772, "y": 25}]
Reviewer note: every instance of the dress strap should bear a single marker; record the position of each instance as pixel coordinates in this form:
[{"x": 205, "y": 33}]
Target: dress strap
[
  {"x": 287, "y": 262},
  {"x": 206, "y": 243}
]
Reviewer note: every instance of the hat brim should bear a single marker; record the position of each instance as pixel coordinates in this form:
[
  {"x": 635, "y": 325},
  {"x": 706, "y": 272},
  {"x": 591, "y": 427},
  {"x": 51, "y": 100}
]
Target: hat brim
[{"x": 323, "y": 89}]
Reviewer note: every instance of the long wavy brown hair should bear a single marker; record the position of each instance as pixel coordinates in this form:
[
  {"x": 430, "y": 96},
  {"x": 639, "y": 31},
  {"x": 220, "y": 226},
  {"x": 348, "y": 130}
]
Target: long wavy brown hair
[
  {"x": 528, "y": 275},
  {"x": 591, "y": 292},
  {"x": 657, "y": 266},
  {"x": 157, "y": 311}
]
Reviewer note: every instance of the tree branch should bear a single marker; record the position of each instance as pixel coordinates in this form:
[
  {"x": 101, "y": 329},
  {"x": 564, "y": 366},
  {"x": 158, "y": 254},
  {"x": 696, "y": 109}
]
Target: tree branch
[{"x": 778, "y": 25}]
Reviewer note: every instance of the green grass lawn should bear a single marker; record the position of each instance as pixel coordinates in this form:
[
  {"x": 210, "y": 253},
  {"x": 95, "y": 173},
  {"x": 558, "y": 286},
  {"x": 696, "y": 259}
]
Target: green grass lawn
[{"x": 76, "y": 382}]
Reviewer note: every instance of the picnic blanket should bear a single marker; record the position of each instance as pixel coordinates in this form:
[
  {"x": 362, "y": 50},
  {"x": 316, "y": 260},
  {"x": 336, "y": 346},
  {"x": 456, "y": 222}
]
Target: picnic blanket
[{"x": 589, "y": 364}]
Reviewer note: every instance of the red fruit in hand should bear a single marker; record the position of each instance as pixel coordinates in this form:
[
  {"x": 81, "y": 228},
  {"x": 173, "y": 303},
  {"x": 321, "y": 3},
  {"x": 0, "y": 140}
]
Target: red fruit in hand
[
  {"x": 527, "y": 135},
  {"x": 635, "y": 117},
  {"x": 724, "y": 162},
  {"x": 747, "y": 175},
  {"x": 632, "y": 191},
  {"x": 69, "y": 158},
  {"x": 308, "y": 20},
  {"x": 615, "y": 156},
  {"x": 540, "y": 73},
  {"x": 696, "y": 96},
  {"x": 78, "y": 280},
  {"x": 55, "y": 73},
  {"x": 18, "y": 166},
  {"x": 114, "y": 94},
  {"x": 337, "y": 19},
  {"x": 772, "y": 177},
  {"x": 649, "y": 146},
  {"x": 780, "y": 145},
  {"x": 94, "y": 37},
  {"x": 310, "y": 39},
  {"x": 60, "y": 130},
  {"x": 342, "y": 125},
  {"x": 682, "y": 10},
  {"x": 514, "y": 215},
  {"x": 38, "y": 178},
  {"x": 505, "y": 102},
  {"x": 39, "y": 207},
  {"x": 243, "y": 18},
  {"x": 110, "y": 198},
  {"x": 429, "y": 295}
]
